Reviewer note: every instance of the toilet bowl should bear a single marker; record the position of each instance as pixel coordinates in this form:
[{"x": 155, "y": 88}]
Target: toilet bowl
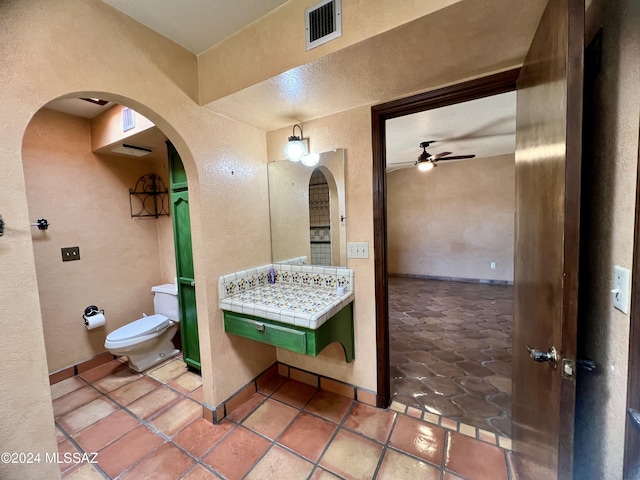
[{"x": 147, "y": 341}]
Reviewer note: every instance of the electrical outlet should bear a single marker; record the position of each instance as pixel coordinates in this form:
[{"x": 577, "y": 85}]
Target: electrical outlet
[
  {"x": 357, "y": 250},
  {"x": 621, "y": 285},
  {"x": 70, "y": 253}
]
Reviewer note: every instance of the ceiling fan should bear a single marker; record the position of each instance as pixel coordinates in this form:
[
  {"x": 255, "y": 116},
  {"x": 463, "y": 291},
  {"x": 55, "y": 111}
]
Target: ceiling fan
[{"x": 426, "y": 161}]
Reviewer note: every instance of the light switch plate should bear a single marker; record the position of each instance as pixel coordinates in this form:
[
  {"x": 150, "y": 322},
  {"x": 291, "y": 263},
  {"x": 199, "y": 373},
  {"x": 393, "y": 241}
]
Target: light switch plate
[
  {"x": 357, "y": 249},
  {"x": 621, "y": 286}
]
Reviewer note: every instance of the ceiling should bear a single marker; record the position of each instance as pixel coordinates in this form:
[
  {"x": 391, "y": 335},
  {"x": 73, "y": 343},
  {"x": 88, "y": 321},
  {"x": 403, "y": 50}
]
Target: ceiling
[
  {"x": 195, "y": 24},
  {"x": 78, "y": 107},
  {"x": 485, "y": 128},
  {"x": 357, "y": 75}
]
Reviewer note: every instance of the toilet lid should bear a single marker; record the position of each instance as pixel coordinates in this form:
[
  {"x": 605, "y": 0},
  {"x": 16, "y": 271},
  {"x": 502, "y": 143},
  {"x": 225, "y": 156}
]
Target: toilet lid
[{"x": 143, "y": 326}]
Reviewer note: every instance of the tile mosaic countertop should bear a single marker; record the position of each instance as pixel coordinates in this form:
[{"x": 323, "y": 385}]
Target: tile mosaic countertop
[{"x": 301, "y": 305}]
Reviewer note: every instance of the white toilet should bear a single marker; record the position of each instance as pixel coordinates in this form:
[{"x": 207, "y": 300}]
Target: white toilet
[{"x": 147, "y": 341}]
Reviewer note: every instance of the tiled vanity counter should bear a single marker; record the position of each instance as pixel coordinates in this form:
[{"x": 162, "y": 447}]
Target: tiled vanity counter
[{"x": 302, "y": 311}]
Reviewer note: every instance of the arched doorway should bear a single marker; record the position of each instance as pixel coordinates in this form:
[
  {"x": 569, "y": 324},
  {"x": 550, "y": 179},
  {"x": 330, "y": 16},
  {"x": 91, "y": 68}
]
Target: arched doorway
[{"x": 81, "y": 175}]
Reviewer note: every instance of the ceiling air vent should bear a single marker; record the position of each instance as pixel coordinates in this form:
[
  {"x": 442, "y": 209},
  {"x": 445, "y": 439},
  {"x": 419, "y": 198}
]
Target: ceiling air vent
[
  {"x": 323, "y": 22},
  {"x": 133, "y": 150}
]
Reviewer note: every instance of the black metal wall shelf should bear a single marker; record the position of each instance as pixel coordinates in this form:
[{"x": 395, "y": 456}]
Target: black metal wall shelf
[{"x": 151, "y": 197}]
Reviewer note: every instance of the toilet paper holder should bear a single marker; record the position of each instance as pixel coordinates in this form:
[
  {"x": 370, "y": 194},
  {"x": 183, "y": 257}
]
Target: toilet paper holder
[{"x": 90, "y": 311}]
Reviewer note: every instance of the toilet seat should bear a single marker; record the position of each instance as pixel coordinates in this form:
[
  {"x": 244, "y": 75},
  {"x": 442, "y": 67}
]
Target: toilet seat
[{"x": 143, "y": 327}]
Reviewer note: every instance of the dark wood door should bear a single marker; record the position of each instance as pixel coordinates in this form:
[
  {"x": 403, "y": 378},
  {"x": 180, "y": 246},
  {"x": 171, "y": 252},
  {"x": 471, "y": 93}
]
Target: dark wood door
[{"x": 548, "y": 158}]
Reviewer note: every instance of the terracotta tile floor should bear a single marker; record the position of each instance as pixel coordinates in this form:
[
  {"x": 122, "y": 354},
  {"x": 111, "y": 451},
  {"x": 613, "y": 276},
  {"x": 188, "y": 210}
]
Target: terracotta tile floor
[
  {"x": 451, "y": 350},
  {"x": 151, "y": 428}
]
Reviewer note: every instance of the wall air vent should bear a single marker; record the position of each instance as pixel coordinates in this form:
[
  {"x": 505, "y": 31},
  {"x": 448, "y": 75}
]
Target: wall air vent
[
  {"x": 133, "y": 150},
  {"x": 323, "y": 22},
  {"x": 128, "y": 119}
]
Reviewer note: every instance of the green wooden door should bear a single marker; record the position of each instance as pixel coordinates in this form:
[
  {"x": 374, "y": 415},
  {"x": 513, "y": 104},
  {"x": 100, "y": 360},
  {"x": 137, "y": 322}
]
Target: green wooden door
[{"x": 184, "y": 260}]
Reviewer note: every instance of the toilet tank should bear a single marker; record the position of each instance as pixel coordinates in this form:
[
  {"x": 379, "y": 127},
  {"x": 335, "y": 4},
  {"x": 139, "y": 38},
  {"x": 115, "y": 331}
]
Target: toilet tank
[{"x": 165, "y": 301}]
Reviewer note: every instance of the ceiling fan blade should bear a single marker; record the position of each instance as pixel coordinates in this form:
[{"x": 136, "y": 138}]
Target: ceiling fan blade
[
  {"x": 393, "y": 168},
  {"x": 393, "y": 164},
  {"x": 500, "y": 126},
  {"x": 440, "y": 155},
  {"x": 457, "y": 157}
]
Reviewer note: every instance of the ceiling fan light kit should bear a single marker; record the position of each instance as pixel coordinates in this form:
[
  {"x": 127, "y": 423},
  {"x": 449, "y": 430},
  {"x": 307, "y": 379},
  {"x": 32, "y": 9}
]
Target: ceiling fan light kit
[
  {"x": 426, "y": 161},
  {"x": 425, "y": 166}
]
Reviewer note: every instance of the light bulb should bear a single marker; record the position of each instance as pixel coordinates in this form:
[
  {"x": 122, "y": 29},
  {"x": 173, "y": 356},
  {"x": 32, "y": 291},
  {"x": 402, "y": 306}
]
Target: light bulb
[
  {"x": 294, "y": 150},
  {"x": 311, "y": 160},
  {"x": 425, "y": 166}
]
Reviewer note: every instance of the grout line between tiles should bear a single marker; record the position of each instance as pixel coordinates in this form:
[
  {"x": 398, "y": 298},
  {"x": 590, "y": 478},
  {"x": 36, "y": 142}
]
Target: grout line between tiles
[
  {"x": 510, "y": 468},
  {"x": 301, "y": 410},
  {"x": 447, "y": 442},
  {"x": 188, "y": 471},
  {"x": 275, "y": 440},
  {"x": 334, "y": 434},
  {"x": 80, "y": 449},
  {"x": 220, "y": 440},
  {"x": 415, "y": 457},
  {"x": 385, "y": 447}
]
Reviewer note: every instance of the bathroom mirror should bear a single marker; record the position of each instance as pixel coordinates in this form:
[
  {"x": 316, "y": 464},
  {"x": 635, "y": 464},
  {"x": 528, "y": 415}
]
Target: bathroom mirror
[{"x": 307, "y": 207}]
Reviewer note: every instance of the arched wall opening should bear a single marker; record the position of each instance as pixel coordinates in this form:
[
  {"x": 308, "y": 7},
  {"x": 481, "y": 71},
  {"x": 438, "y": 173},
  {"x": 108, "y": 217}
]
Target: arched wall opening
[{"x": 74, "y": 180}]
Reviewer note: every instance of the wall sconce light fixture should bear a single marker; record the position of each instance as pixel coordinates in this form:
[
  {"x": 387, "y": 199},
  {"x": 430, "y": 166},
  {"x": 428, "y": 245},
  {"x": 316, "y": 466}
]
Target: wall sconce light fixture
[{"x": 297, "y": 147}]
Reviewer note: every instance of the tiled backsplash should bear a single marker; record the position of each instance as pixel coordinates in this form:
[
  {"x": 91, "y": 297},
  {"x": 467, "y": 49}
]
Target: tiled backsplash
[{"x": 314, "y": 276}]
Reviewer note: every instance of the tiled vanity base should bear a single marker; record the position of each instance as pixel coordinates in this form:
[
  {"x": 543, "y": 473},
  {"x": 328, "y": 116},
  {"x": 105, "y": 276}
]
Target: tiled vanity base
[{"x": 338, "y": 328}]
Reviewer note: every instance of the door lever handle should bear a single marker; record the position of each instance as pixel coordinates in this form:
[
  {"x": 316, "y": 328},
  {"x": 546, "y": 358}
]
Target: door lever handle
[
  {"x": 635, "y": 417},
  {"x": 586, "y": 364},
  {"x": 550, "y": 356}
]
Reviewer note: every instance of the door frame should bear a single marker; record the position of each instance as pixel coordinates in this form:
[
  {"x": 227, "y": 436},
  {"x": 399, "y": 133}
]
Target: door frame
[
  {"x": 462, "y": 92},
  {"x": 632, "y": 434}
]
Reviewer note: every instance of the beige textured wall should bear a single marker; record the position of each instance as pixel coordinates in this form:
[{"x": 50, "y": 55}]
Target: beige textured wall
[
  {"x": 48, "y": 49},
  {"x": 278, "y": 41},
  {"x": 610, "y": 170},
  {"x": 85, "y": 197},
  {"x": 453, "y": 221},
  {"x": 350, "y": 130}
]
